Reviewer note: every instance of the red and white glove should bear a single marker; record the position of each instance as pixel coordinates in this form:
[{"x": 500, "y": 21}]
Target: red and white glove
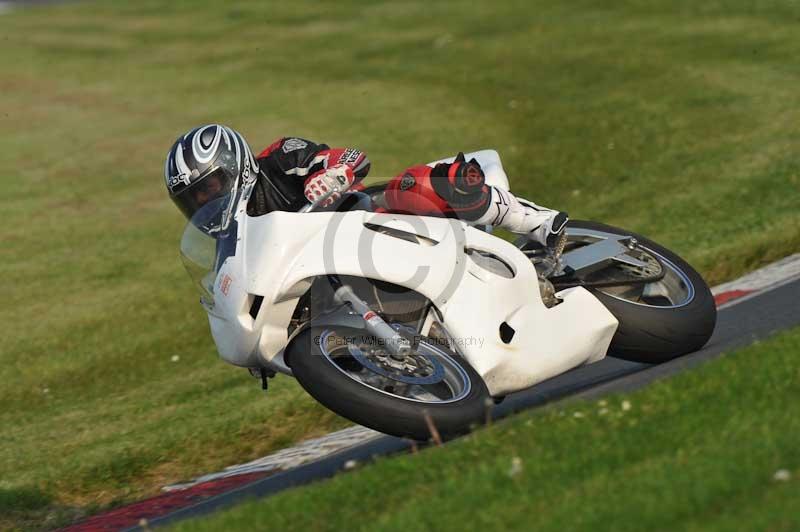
[{"x": 337, "y": 178}]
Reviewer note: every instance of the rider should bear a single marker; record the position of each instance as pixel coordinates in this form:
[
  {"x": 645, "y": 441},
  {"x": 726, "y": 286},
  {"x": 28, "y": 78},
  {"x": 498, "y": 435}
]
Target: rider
[{"x": 212, "y": 160}]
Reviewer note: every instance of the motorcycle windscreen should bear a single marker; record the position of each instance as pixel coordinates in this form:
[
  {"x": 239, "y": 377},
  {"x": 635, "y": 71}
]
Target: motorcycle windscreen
[{"x": 205, "y": 245}]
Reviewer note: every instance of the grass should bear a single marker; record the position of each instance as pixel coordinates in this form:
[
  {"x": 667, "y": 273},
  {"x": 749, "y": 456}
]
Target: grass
[
  {"x": 675, "y": 119},
  {"x": 695, "y": 452}
]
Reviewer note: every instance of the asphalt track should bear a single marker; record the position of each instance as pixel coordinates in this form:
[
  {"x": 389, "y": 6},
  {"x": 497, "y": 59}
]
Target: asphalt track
[{"x": 739, "y": 323}]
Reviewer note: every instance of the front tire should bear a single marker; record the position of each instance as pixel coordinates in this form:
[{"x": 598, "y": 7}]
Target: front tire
[{"x": 339, "y": 381}]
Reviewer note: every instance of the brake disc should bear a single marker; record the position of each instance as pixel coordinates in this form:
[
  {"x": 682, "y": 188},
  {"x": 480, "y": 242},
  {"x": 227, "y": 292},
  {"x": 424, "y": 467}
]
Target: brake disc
[
  {"x": 385, "y": 369},
  {"x": 652, "y": 271}
]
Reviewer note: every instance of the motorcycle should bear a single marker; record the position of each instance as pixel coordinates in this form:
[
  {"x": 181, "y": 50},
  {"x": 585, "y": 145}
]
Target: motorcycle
[{"x": 403, "y": 323}]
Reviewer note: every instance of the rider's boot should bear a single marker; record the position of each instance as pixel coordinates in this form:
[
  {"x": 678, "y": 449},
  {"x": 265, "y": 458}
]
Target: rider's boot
[{"x": 520, "y": 216}]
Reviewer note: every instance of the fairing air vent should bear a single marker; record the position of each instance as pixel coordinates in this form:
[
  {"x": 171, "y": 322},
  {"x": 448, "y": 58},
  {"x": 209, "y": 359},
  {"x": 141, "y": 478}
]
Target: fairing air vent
[
  {"x": 402, "y": 235},
  {"x": 255, "y": 306},
  {"x": 491, "y": 263}
]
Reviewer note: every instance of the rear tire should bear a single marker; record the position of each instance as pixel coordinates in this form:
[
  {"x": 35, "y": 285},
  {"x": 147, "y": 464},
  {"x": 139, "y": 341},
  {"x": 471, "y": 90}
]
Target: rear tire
[
  {"x": 381, "y": 411},
  {"x": 651, "y": 334}
]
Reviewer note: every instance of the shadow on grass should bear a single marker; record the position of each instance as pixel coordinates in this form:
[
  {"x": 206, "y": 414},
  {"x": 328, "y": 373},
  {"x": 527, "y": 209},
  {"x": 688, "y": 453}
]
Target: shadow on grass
[
  {"x": 23, "y": 499},
  {"x": 31, "y": 508}
]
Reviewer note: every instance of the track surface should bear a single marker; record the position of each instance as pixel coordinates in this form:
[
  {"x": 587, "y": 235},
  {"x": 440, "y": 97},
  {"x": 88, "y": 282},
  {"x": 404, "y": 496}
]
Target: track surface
[{"x": 740, "y": 322}]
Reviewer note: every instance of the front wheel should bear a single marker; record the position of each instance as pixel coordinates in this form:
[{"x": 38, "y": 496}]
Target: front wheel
[{"x": 353, "y": 374}]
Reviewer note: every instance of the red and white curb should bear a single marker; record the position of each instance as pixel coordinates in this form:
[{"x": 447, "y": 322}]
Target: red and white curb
[
  {"x": 302, "y": 453},
  {"x": 177, "y": 496},
  {"x": 766, "y": 278}
]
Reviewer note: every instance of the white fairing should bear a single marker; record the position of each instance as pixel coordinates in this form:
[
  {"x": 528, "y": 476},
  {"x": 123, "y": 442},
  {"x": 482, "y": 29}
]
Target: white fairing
[{"x": 279, "y": 253}]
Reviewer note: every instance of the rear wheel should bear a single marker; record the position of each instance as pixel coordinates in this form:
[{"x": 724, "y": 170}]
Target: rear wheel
[
  {"x": 664, "y": 307},
  {"x": 353, "y": 374}
]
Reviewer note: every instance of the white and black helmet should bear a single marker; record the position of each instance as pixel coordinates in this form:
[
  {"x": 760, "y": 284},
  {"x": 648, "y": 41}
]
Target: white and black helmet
[{"x": 207, "y": 163}]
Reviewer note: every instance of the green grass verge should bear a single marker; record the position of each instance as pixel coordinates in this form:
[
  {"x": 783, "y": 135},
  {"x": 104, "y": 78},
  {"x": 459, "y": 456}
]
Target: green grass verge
[
  {"x": 675, "y": 119},
  {"x": 695, "y": 452}
]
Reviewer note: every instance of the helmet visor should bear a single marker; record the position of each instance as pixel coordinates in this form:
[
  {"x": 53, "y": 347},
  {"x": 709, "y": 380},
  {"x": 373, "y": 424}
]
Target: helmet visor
[{"x": 215, "y": 184}]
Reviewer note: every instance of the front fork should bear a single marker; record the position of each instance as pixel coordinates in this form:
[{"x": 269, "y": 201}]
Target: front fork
[{"x": 398, "y": 346}]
